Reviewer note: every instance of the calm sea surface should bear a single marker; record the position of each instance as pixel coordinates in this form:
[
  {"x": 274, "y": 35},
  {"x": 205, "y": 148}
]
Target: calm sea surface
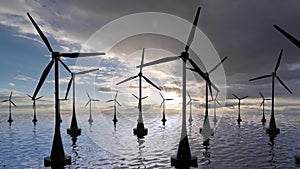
[{"x": 101, "y": 146}]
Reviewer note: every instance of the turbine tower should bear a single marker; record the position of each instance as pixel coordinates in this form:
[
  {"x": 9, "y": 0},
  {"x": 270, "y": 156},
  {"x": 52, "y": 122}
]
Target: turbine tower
[
  {"x": 215, "y": 103},
  {"x": 90, "y": 102},
  {"x": 190, "y": 103},
  {"x": 273, "y": 130},
  {"x": 10, "y": 120},
  {"x": 34, "y": 108},
  {"x": 115, "y": 120},
  {"x": 57, "y": 157},
  {"x": 263, "y": 120},
  {"x": 289, "y": 36},
  {"x": 140, "y": 131},
  {"x": 239, "y": 104},
  {"x": 163, "y": 104},
  {"x": 74, "y": 131},
  {"x": 183, "y": 159}
]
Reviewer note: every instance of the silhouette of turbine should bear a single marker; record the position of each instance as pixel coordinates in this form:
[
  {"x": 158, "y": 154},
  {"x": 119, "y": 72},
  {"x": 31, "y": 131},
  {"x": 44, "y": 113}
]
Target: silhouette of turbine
[
  {"x": 183, "y": 159},
  {"x": 263, "y": 120},
  {"x": 57, "y": 157},
  {"x": 90, "y": 102},
  {"x": 74, "y": 131},
  {"x": 215, "y": 101},
  {"x": 34, "y": 120},
  {"x": 163, "y": 104},
  {"x": 140, "y": 131},
  {"x": 273, "y": 130},
  {"x": 115, "y": 120},
  {"x": 190, "y": 103},
  {"x": 10, "y": 120},
  {"x": 239, "y": 104}
]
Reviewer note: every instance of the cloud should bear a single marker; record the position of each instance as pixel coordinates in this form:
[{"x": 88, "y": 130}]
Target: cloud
[{"x": 11, "y": 84}]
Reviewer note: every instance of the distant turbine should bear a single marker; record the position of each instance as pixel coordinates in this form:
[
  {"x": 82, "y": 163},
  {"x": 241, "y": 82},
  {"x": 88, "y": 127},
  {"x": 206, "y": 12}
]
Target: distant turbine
[
  {"x": 90, "y": 102},
  {"x": 263, "y": 120},
  {"x": 183, "y": 157},
  {"x": 34, "y": 108},
  {"x": 10, "y": 120},
  {"x": 163, "y": 104},
  {"x": 115, "y": 120},
  {"x": 239, "y": 115},
  {"x": 215, "y": 101},
  {"x": 289, "y": 36},
  {"x": 140, "y": 130},
  {"x": 190, "y": 103},
  {"x": 273, "y": 130},
  {"x": 57, "y": 157},
  {"x": 74, "y": 131}
]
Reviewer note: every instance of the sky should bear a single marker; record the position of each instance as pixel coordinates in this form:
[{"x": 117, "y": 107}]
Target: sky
[{"x": 241, "y": 30}]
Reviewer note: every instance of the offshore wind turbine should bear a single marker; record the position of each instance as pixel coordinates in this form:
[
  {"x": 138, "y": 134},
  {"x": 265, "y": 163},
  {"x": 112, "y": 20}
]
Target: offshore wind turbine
[
  {"x": 263, "y": 120},
  {"x": 140, "y": 130},
  {"x": 163, "y": 104},
  {"x": 287, "y": 35},
  {"x": 239, "y": 104},
  {"x": 183, "y": 157},
  {"x": 34, "y": 108},
  {"x": 215, "y": 103},
  {"x": 273, "y": 130},
  {"x": 90, "y": 103},
  {"x": 115, "y": 120},
  {"x": 190, "y": 103},
  {"x": 74, "y": 131},
  {"x": 57, "y": 157},
  {"x": 10, "y": 102}
]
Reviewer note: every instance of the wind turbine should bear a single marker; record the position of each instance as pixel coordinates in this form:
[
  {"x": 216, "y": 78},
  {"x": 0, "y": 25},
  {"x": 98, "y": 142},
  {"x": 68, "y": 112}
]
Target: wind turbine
[
  {"x": 183, "y": 157},
  {"x": 239, "y": 104},
  {"x": 287, "y": 35},
  {"x": 273, "y": 130},
  {"x": 74, "y": 131},
  {"x": 10, "y": 120},
  {"x": 190, "y": 103},
  {"x": 263, "y": 120},
  {"x": 215, "y": 101},
  {"x": 115, "y": 120},
  {"x": 207, "y": 86},
  {"x": 57, "y": 157},
  {"x": 163, "y": 104},
  {"x": 34, "y": 108},
  {"x": 90, "y": 102},
  {"x": 140, "y": 131}
]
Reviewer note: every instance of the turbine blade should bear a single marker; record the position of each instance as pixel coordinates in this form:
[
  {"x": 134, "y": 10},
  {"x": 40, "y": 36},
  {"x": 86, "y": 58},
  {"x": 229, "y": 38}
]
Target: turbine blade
[
  {"x": 189, "y": 102},
  {"x": 96, "y": 100},
  {"x": 260, "y": 77},
  {"x": 192, "y": 33},
  {"x": 236, "y": 96},
  {"x": 116, "y": 95},
  {"x": 43, "y": 78},
  {"x": 68, "y": 88},
  {"x": 66, "y": 67},
  {"x": 283, "y": 84},
  {"x": 189, "y": 95},
  {"x": 214, "y": 86},
  {"x": 4, "y": 100},
  {"x": 261, "y": 103},
  {"x": 161, "y": 103},
  {"x": 135, "y": 96},
  {"x": 144, "y": 97},
  {"x": 39, "y": 97},
  {"x": 214, "y": 68},
  {"x": 109, "y": 101},
  {"x": 88, "y": 95},
  {"x": 40, "y": 33},
  {"x": 29, "y": 96},
  {"x": 163, "y": 60},
  {"x": 262, "y": 95},
  {"x": 287, "y": 35},
  {"x": 268, "y": 99},
  {"x": 216, "y": 95},
  {"x": 86, "y": 71},
  {"x": 218, "y": 102},
  {"x": 142, "y": 61},
  {"x": 198, "y": 70},
  {"x": 127, "y": 79},
  {"x": 161, "y": 96},
  {"x": 76, "y": 55},
  {"x": 10, "y": 94},
  {"x": 87, "y": 103},
  {"x": 278, "y": 60},
  {"x": 118, "y": 103},
  {"x": 210, "y": 90},
  {"x": 12, "y": 103},
  {"x": 244, "y": 97},
  {"x": 169, "y": 99},
  {"x": 151, "y": 83}
]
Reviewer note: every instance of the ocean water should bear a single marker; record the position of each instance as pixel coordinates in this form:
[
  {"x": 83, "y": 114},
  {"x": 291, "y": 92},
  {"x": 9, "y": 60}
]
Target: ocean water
[{"x": 100, "y": 145}]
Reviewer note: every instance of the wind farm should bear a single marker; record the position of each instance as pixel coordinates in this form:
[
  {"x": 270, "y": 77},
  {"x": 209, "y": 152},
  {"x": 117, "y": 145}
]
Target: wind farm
[{"x": 130, "y": 101}]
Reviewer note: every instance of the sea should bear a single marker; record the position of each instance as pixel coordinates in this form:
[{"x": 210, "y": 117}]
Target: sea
[{"x": 101, "y": 145}]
